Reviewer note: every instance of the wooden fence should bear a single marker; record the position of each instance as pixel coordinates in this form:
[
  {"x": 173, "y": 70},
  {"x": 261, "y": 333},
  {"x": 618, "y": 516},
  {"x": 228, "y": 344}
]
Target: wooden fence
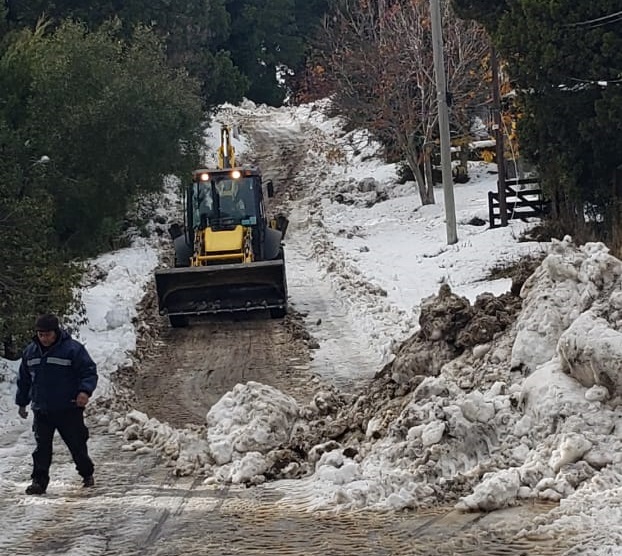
[{"x": 523, "y": 199}]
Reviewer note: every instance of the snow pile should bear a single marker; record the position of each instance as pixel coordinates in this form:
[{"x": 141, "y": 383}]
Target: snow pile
[
  {"x": 481, "y": 433},
  {"x": 251, "y": 435},
  {"x": 592, "y": 513},
  {"x": 109, "y": 334},
  {"x": 186, "y": 450},
  {"x": 563, "y": 288},
  {"x": 8, "y": 377},
  {"x": 244, "y": 425}
]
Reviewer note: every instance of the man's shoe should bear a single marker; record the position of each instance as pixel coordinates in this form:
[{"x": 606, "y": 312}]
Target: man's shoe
[
  {"x": 88, "y": 482},
  {"x": 35, "y": 488}
]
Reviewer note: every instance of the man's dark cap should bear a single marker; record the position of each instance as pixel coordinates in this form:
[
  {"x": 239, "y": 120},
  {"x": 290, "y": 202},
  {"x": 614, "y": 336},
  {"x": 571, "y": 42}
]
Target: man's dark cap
[{"x": 47, "y": 323}]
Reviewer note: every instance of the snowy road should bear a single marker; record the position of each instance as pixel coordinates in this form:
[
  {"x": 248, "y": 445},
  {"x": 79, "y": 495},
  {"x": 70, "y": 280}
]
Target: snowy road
[{"x": 324, "y": 285}]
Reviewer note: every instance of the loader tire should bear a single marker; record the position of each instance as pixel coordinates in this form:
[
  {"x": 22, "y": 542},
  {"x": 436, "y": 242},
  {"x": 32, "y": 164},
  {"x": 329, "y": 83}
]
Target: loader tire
[
  {"x": 183, "y": 252},
  {"x": 278, "y": 313},
  {"x": 178, "y": 321}
]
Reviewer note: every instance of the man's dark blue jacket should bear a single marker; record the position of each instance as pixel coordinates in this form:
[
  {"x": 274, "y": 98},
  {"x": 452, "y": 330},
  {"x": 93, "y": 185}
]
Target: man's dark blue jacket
[{"x": 51, "y": 379}]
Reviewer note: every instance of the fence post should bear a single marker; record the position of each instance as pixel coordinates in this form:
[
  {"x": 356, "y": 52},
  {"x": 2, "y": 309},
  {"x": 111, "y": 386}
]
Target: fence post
[
  {"x": 491, "y": 211},
  {"x": 616, "y": 221}
]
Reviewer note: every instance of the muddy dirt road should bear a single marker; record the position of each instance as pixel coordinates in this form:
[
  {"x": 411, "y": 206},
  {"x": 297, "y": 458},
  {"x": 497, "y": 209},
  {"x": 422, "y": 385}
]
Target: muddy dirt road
[
  {"x": 138, "y": 509},
  {"x": 187, "y": 370}
]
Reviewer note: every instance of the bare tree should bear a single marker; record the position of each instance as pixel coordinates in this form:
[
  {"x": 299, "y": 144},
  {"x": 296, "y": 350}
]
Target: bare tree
[{"x": 380, "y": 55}]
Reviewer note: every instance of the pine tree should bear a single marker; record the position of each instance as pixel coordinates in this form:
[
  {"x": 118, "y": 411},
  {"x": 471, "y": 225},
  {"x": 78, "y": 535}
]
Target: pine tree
[
  {"x": 560, "y": 58},
  {"x": 34, "y": 274}
]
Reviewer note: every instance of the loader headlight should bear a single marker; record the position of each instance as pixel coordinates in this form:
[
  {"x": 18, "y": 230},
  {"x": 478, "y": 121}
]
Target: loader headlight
[
  {"x": 204, "y": 176},
  {"x": 236, "y": 174}
]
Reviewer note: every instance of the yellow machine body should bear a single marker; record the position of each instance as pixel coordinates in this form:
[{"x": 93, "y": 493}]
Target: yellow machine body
[{"x": 223, "y": 246}]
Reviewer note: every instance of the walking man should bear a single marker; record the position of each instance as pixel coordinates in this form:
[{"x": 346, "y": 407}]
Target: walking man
[{"x": 57, "y": 376}]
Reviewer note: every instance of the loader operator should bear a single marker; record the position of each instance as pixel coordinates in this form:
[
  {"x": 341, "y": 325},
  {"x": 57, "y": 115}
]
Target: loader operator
[{"x": 231, "y": 202}]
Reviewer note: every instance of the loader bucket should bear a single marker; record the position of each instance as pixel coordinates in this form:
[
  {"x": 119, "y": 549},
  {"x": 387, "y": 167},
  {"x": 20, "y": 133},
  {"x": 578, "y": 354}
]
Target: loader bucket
[{"x": 222, "y": 288}]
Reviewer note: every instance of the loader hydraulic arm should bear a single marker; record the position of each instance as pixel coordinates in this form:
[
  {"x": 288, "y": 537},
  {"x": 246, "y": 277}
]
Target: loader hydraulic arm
[{"x": 226, "y": 152}]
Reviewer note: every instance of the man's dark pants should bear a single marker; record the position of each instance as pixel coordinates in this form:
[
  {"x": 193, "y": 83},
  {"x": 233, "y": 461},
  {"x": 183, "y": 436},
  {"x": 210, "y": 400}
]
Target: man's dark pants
[{"x": 73, "y": 431}]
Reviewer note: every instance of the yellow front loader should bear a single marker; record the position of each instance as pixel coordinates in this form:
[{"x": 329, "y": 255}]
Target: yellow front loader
[{"x": 228, "y": 255}]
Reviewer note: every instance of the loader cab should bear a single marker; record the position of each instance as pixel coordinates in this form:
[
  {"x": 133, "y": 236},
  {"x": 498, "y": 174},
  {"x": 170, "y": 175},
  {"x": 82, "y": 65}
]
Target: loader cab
[
  {"x": 223, "y": 199},
  {"x": 232, "y": 196}
]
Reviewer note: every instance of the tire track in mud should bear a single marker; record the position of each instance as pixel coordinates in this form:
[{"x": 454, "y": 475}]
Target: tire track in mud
[
  {"x": 189, "y": 369},
  {"x": 138, "y": 508},
  {"x": 173, "y": 513},
  {"x": 107, "y": 519},
  {"x": 251, "y": 528}
]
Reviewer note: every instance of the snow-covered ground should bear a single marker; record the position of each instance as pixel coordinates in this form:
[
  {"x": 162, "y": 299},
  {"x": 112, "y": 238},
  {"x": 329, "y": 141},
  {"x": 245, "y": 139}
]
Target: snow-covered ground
[{"x": 526, "y": 407}]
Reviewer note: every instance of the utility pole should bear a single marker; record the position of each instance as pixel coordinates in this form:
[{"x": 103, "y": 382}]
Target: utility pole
[
  {"x": 443, "y": 122},
  {"x": 497, "y": 127}
]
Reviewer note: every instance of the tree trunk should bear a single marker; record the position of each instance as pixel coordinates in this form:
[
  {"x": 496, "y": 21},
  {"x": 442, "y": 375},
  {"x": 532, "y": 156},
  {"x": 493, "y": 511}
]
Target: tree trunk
[
  {"x": 462, "y": 170},
  {"x": 567, "y": 214},
  {"x": 429, "y": 175},
  {"x": 10, "y": 349},
  {"x": 616, "y": 213},
  {"x": 426, "y": 187}
]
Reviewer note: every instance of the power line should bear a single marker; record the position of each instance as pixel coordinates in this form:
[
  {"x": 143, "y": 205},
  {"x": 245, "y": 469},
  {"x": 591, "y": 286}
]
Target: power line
[
  {"x": 604, "y": 20},
  {"x": 599, "y": 82},
  {"x": 597, "y": 25}
]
